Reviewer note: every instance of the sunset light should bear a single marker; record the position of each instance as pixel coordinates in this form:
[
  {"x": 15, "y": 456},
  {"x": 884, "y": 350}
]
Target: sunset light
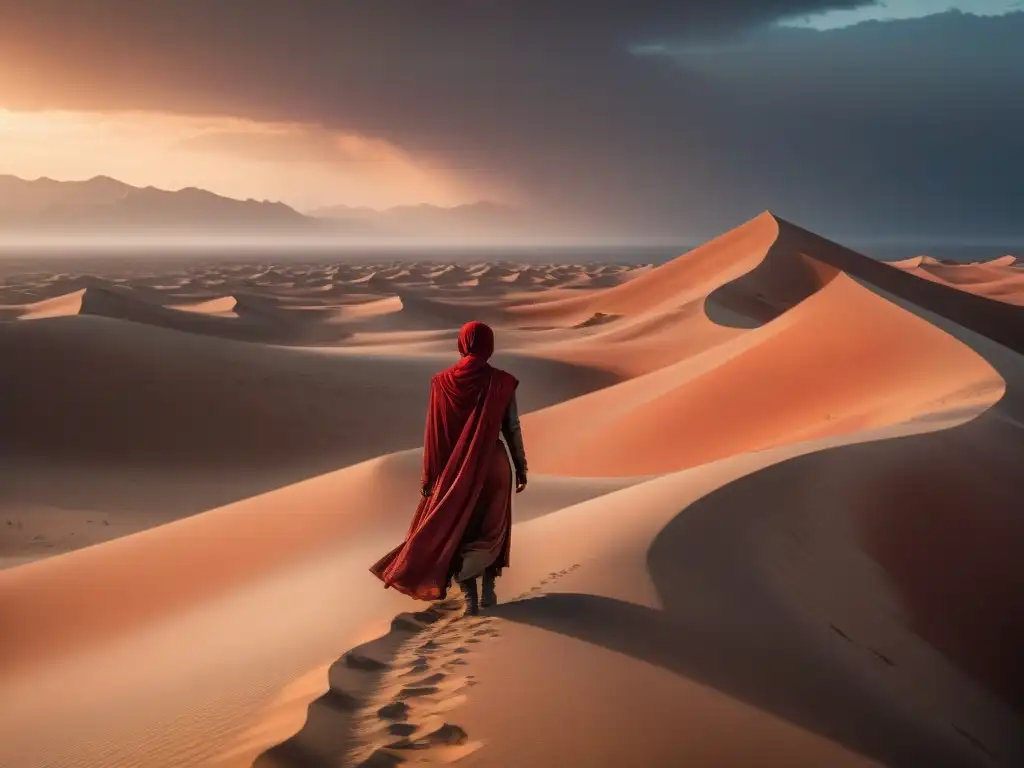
[
  {"x": 511, "y": 384},
  {"x": 303, "y": 165}
]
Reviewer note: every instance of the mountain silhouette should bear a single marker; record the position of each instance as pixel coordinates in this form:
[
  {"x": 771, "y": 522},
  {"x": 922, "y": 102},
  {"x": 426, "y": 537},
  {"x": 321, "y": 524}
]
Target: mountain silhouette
[{"x": 107, "y": 205}]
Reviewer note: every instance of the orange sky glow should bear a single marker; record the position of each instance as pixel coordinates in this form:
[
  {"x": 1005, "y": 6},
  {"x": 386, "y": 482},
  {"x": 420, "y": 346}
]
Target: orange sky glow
[{"x": 305, "y": 166}]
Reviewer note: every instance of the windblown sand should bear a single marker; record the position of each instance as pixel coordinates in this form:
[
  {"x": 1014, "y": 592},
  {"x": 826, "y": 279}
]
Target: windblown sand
[{"x": 774, "y": 515}]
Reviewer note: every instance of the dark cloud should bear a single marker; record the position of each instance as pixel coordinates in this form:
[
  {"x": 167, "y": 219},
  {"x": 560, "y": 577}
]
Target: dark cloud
[
  {"x": 897, "y": 128},
  {"x": 904, "y": 126},
  {"x": 372, "y": 64}
]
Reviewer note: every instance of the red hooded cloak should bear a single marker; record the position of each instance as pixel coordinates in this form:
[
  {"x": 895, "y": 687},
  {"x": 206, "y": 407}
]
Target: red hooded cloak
[{"x": 467, "y": 403}]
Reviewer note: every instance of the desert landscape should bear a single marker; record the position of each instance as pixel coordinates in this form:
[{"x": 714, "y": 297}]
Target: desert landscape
[{"x": 774, "y": 512}]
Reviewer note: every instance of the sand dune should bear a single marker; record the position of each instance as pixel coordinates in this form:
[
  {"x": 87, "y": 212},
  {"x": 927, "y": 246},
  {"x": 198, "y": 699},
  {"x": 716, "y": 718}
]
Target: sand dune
[
  {"x": 813, "y": 375},
  {"x": 773, "y": 511},
  {"x": 222, "y": 306},
  {"x": 60, "y": 306},
  {"x": 998, "y": 279},
  {"x": 158, "y": 423}
]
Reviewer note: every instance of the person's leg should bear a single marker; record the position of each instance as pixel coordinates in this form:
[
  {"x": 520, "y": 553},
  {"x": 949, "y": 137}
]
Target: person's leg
[
  {"x": 485, "y": 540},
  {"x": 469, "y": 589},
  {"x": 489, "y": 596}
]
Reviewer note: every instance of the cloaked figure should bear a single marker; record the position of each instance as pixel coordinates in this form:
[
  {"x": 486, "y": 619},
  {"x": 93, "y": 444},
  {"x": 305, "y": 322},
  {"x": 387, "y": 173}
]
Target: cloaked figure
[{"x": 463, "y": 524}]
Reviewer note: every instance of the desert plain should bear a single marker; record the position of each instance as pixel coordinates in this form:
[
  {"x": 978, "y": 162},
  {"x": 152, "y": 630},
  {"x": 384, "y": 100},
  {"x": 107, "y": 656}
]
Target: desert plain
[{"x": 775, "y": 514}]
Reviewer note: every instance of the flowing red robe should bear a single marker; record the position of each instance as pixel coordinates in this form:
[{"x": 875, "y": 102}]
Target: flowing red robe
[{"x": 467, "y": 403}]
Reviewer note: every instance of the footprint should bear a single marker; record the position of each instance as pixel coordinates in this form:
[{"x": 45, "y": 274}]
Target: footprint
[
  {"x": 417, "y": 691},
  {"x": 397, "y": 710},
  {"x": 402, "y": 729},
  {"x": 449, "y": 735},
  {"x": 409, "y": 744},
  {"x": 364, "y": 663},
  {"x": 418, "y": 667},
  {"x": 416, "y": 621},
  {"x": 428, "y": 616},
  {"x": 433, "y": 679}
]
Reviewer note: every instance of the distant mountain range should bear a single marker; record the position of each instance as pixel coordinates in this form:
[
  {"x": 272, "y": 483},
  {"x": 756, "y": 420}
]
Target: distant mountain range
[{"x": 106, "y": 206}]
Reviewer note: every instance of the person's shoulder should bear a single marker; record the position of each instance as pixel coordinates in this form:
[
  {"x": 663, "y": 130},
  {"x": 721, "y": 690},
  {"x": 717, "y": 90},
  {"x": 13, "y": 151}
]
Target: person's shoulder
[
  {"x": 506, "y": 378},
  {"x": 441, "y": 376}
]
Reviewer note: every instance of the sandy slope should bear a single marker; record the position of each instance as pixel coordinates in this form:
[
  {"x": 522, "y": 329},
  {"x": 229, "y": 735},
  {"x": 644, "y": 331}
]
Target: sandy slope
[
  {"x": 112, "y": 427},
  {"x": 813, "y": 373},
  {"x": 999, "y": 279},
  {"x": 773, "y": 517}
]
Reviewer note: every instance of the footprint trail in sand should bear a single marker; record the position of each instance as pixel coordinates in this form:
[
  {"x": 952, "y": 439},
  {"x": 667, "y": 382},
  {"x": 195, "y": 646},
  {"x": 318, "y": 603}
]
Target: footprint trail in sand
[
  {"x": 406, "y": 719},
  {"x": 389, "y": 700}
]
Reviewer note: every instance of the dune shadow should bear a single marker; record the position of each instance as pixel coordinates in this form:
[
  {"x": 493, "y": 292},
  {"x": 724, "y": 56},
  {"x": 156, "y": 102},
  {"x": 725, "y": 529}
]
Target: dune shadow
[
  {"x": 762, "y": 668},
  {"x": 938, "y": 513},
  {"x": 783, "y": 279},
  {"x": 111, "y": 416},
  {"x": 1001, "y": 322}
]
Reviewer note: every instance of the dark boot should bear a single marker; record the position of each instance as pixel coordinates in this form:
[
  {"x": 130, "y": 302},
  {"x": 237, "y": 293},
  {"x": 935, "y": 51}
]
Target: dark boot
[
  {"x": 489, "y": 598},
  {"x": 472, "y": 598}
]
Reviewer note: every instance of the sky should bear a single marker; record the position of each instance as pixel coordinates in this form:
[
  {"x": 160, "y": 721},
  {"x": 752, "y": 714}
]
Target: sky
[
  {"x": 651, "y": 117},
  {"x": 890, "y": 10},
  {"x": 306, "y": 165}
]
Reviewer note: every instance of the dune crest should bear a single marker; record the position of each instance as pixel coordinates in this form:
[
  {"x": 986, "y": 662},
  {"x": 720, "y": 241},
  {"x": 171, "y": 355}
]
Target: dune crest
[{"x": 807, "y": 372}]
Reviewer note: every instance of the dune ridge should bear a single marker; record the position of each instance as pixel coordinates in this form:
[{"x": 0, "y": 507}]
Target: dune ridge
[
  {"x": 998, "y": 279},
  {"x": 773, "y": 510}
]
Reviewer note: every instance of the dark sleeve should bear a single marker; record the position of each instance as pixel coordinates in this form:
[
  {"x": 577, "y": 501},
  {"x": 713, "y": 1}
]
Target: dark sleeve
[
  {"x": 513, "y": 435},
  {"x": 430, "y": 469}
]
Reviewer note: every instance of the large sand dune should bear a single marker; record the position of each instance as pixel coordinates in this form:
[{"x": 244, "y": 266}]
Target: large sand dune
[{"x": 774, "y": 515}]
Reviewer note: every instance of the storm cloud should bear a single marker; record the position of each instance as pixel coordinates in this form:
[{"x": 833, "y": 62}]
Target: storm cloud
[{"x": 648, "y": 116}]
